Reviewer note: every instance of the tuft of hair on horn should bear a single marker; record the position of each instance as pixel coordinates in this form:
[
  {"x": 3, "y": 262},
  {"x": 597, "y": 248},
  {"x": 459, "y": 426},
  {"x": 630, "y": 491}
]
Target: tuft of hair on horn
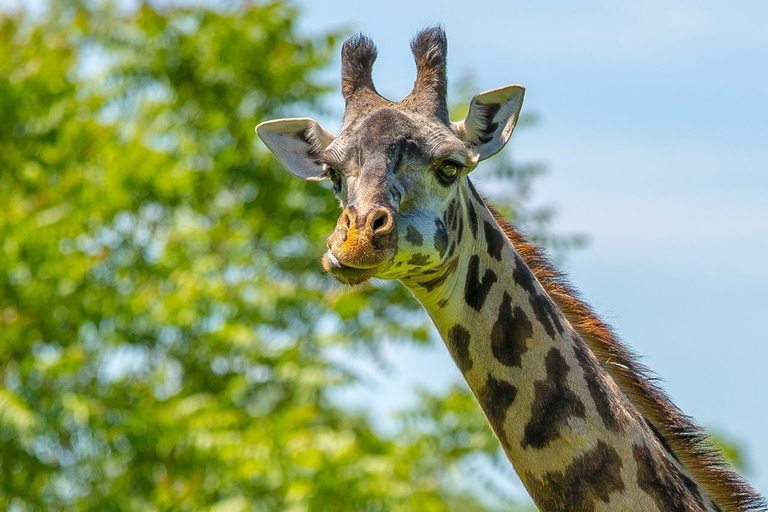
[
  {"x": 358, "y": 53},
  {"x": 430, "y": 49}
]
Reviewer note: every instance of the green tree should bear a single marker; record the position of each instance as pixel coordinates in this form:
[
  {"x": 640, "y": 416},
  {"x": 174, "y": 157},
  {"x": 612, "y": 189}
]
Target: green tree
[{"x": 163, "y": 319}]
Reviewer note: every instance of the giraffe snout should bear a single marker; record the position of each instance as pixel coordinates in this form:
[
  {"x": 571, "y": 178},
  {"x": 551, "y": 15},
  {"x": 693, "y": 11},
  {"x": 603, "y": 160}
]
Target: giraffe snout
[{"x": 364, "y": 239}]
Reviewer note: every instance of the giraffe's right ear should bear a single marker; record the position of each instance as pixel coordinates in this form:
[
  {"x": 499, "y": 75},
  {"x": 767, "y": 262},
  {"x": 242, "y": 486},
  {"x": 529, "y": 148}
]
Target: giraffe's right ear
[
  {"x": 491, "y": 118},
  {"x": 296, "y": 143}
]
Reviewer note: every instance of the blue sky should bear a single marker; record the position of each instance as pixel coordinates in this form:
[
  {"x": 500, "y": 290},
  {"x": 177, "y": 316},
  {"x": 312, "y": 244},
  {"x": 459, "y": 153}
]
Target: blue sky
[{"x": 654, "y": 126}]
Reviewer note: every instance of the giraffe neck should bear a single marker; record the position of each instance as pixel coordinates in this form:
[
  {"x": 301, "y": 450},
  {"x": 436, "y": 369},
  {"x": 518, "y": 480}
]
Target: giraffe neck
[{"x": 572, "y": 435}]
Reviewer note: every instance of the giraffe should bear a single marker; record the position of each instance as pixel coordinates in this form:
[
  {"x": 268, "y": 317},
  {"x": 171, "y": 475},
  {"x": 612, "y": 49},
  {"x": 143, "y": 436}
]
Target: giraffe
[{"x": 575, "y": 412}]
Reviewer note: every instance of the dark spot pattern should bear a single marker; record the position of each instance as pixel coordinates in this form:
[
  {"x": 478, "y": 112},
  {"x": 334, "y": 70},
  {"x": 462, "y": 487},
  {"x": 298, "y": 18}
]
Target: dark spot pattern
[
  {"x": 460, "y": 231},
  {"x": 440, "y": 279},
  {"x": 689, "y": 484},
  {"x": 494, "y": 239},
  {"x": 451, "y": 249},
  {"x": 592, "y": 476},
  {"x": 475, "y": 289},
  {"x": 413, "y": 236},
  {"x": 510, "y": 334},
  {"x": 660, "y": 438},
  {"x": 496, "y": 397},
  {"x": 613, "y": 416},
  {"x": 458, "y": 343},
  {"x": 419, "y": 259},
  {"x": 456, "y": 215},
  {"x": 472, "y": 216},
  {"x": 553, "y": 404},
  {"x": 449, "y": 215},
  {"x": 442, "y": 303},
  {"x": 542, "y": 305},
  {"x": 671, "y": 489},
  {"x": 441, "y": 237}
]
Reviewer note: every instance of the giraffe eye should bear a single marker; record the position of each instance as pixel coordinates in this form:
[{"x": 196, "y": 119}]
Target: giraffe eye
[
  {"x": 335, "y": 177},
  {"x": 449, "y": 171}
]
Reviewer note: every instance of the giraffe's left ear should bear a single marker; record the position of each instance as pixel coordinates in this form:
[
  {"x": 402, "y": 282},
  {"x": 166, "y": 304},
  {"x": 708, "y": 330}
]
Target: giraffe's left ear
[
  {"x": 491, "y": 118},
  {"x": 296, "y": 143}
]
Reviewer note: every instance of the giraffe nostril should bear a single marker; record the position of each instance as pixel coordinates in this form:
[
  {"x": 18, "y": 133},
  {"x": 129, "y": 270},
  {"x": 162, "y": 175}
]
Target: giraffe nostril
[
  {"x": 382, "y": 221},
  {"x": 345, "y": 221},
  {"x": 379, "y": 222}
]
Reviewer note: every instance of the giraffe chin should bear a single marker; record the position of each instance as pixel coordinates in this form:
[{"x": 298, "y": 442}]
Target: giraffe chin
[{"x": 344, "y": 273}]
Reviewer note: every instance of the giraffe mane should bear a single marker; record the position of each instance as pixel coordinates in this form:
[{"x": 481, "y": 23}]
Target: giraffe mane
[{"x": 686, "y": 441}]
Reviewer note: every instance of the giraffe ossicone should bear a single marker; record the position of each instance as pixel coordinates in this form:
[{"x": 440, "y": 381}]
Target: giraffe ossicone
[{"x": 576, "y": 414}]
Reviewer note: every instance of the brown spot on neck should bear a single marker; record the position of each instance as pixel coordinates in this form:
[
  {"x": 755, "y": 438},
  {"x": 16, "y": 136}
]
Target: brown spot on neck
[
  {"x": 510, "y": 333},
  {"x": 475, "y": 289},
  {"x": 458, "y": 343},
  {"x": 553, "y": 404},
  {"x": 496, "y": 397},
  {"x": 608, "y": 407},
  {"x": 669, "y": 487},
  {"x": 595, "y": 475}
]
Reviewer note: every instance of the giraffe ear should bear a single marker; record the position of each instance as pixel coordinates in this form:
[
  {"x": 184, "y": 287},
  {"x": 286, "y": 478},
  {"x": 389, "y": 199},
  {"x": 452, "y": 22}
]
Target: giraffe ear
[
  {"x": 491, "y": 118},
  {"x": 296, "y": 143}
]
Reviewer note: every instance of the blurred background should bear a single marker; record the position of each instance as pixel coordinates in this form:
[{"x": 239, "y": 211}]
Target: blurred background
[{"x": 167, "y": 338}]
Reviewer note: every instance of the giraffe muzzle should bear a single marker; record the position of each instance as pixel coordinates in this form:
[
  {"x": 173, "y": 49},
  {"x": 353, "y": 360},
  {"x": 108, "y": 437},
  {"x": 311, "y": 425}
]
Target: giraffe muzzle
[{"x": 361, "y": 243}]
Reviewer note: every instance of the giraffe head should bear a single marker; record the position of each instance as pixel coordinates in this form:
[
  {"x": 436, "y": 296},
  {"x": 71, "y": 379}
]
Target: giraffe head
[{"x": 396, "y": 168}]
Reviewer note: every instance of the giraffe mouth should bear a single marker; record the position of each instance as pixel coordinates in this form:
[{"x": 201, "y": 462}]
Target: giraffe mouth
[{"x": 345, "y": 273}]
